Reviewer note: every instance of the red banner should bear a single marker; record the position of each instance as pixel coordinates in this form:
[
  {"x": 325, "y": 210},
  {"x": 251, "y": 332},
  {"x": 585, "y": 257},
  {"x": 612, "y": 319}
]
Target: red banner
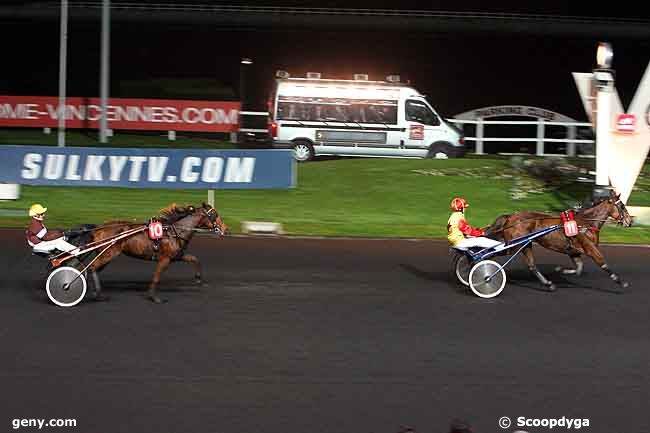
[{"x": 150, "y": 114}]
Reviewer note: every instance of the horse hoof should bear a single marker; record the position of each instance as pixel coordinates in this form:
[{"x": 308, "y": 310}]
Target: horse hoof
[
  {"x": 100, "y": 298},
  {"x": 625, "y": 284},
  {"x": 198, "y": 281},
  {"x": 155, "y": 299},
  {"x": 551, "y": 287}
]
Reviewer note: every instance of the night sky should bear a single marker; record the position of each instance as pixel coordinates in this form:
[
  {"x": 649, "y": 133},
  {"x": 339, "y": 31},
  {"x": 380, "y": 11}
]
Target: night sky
[{"x": 458, "y": 72}]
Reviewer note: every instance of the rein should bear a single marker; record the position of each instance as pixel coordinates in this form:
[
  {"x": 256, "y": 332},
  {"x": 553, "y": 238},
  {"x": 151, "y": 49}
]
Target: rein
[
  {"x": 103, "y": 226},
  {"x": 521, "y": 221},
  {"x": 607, "y": 220}
]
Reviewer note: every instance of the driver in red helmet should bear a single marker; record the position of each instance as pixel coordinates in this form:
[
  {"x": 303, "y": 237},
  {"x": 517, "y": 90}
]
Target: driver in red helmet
[{"x": 462, "y": 235}]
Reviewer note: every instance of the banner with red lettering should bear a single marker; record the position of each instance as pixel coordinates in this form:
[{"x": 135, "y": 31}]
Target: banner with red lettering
[{"x": 150, "y": 114}]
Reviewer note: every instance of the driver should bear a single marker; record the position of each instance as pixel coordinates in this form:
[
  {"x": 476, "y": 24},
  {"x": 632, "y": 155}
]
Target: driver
[
  {"x": 40, "y": 239},
  {"x": 460, "y": 234}
]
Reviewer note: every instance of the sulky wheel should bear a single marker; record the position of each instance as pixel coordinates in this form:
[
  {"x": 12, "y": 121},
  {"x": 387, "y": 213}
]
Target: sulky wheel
[
  {"x": 66, "y": 286},
  {"x": 487, "y": 279},
  {"x": 462, "y": 266}
]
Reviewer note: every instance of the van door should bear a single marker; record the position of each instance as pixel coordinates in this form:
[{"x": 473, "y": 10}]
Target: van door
[{"x": 423, "y": 127}]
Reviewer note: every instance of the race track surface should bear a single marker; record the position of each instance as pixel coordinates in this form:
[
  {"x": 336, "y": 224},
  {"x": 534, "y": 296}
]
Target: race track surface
[{"x": 331, "y": 336}]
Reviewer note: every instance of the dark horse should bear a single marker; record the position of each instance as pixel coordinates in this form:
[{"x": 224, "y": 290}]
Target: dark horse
[
  {"x": 590, "y": 221},
  {"x": 179, "y": 223}
]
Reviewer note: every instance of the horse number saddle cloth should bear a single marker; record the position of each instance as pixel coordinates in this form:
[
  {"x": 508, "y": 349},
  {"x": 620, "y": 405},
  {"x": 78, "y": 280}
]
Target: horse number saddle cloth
[
  {"x": 156, "y": 232},
  {"x": 570, "y": 224}
]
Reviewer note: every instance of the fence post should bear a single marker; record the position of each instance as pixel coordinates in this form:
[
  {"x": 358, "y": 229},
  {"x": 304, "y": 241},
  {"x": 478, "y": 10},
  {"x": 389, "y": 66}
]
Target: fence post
[
  {"x": 479, "y": 136},
  {"x": 571, "y": 145},
  {"x": 540, "y": 138}
]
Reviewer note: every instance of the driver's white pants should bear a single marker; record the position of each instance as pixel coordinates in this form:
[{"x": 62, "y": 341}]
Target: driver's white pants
[
  {"x": 480, "y": 242},
  {"x": 55, "y": 244}
]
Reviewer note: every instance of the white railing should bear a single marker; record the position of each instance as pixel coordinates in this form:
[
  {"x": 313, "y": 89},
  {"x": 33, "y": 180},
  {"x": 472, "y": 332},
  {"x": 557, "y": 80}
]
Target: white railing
[
  {"x": 540, "y": 138},
  {"x": 480, "y": 138}
]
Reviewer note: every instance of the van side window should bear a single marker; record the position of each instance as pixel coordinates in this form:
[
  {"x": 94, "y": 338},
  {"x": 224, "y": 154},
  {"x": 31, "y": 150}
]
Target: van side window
[
  {"x": 417, "y": 111},
  {"x": 374, "y": 113},
  {"x": 338, "y": 110}
]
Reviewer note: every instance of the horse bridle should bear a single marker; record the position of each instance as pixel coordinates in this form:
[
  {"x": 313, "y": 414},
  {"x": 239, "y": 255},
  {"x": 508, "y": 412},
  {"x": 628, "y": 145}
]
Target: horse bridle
[
  {"x": 212, "y": 216},
  {"x": 620, "y": 207}
]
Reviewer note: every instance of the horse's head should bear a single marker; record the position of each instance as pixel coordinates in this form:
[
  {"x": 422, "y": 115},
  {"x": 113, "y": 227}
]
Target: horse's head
[
  {"x": 211, "y": 220},
  {"x": 618, "y": 211}
]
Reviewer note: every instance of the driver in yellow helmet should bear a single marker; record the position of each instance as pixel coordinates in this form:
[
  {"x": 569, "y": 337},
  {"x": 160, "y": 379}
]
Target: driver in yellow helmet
[{"x": 40, "y": 239}]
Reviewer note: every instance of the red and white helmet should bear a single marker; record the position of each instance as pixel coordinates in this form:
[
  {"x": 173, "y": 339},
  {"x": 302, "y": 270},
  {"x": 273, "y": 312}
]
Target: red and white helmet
[{"x": 458, "y": 204}]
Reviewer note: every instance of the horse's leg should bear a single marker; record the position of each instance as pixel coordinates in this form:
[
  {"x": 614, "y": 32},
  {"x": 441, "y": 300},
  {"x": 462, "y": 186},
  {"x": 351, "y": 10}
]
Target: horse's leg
[
  {"x": 97, "y": 286},
  {"x": 97, "y": 265},
  {"x": 532, "y": 267},
  {"x": 577, "y": 270},
  {"x": 189, "y": 258},
  {"x": 592, "y": 251},
  {"x": 163, "y": 262}
]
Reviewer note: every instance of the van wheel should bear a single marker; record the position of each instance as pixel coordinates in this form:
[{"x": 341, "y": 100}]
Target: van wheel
[
  {"x": 303, "y": 151},
  {"x": 440, "y": 151}
]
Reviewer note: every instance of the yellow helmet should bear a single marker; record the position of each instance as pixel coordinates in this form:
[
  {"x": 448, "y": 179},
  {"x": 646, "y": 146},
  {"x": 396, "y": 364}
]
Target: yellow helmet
[{"x": 36, "y": 209}]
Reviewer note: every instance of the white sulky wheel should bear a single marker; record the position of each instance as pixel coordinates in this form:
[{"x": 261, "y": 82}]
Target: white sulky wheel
[
  {"x": 462, "y": 267},
  {"x": 66, "y": 286},
  {"x": 487, "y": 279}
]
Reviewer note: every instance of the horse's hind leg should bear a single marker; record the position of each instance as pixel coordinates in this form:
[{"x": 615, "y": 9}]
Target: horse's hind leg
[
  {"x": 577, "y": 270},
  {"x": 163, "y": 262},
  {"x": 97, "y": 286},
  {"x": 532, "y": 267},
  {"x": 598, "y": 258},
  {"x": 189, "y": 258}
]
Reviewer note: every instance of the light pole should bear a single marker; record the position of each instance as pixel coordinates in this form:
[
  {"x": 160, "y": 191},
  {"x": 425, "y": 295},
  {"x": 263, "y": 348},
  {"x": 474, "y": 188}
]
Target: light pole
[
  {"x": 63, "y": 61},
  {"x": 245, "y": 61},
  {"x": 104, "y": 70},
  {"x": 603, "y": 80}
]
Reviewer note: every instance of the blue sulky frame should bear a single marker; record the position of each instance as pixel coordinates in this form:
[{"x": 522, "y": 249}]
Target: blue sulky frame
[
  {"x": 474, "y": 258},
  {"x": 524, "y": 241}
]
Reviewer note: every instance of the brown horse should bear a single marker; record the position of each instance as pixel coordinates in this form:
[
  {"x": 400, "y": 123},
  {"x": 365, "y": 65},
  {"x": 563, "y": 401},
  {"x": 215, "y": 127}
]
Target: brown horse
[
  {"x": 590, "y": 221},
  {"x": 179, "y": 223}
]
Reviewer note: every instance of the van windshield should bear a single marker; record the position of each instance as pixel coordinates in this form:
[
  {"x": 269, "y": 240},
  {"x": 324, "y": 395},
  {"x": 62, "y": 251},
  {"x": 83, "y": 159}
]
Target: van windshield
[{"x": 418, "y": 111}]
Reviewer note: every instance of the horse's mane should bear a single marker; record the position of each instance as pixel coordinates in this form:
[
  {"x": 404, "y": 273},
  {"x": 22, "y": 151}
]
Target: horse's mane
[{"x": 173, "y": 213}]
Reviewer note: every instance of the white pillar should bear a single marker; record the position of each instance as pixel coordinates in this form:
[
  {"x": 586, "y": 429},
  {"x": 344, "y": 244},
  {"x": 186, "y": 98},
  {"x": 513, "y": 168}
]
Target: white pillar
[
  {"x": 540, "y": 138},
  {"x": 571, "y": 145},
  {"x": 603, "y": 130},
  {"x": 479, "y": 137}
]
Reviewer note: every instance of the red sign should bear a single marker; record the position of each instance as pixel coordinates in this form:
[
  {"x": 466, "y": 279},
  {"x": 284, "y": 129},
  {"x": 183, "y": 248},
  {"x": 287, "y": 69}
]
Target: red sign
[
  {"x": 150, "y": 114},
  {"x": 416, "y": 132},
  {"x": 626, "y": 123},
  {"x": 155, "y": 230}
]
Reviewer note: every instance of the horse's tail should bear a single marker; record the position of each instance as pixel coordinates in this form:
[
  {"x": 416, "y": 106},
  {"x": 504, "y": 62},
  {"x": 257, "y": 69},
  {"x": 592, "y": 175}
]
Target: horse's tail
[{"x": 495, "y": 230}]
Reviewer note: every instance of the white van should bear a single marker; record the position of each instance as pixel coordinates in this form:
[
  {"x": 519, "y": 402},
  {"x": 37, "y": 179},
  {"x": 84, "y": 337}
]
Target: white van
[{"x": 358, "y": 117}]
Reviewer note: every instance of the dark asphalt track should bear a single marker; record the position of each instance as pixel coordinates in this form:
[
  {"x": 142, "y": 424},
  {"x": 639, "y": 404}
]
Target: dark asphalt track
[{"x": 331, "y": 336}]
